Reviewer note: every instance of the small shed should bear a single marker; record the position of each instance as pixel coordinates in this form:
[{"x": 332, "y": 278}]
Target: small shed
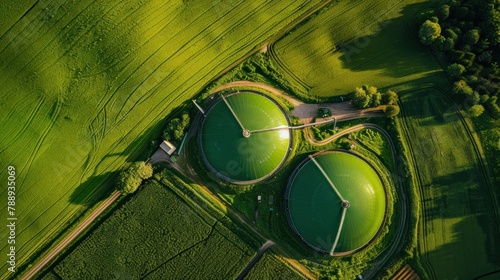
[
  {"x": 271, "y": 200},
  {"x": 168, "y": 147}
]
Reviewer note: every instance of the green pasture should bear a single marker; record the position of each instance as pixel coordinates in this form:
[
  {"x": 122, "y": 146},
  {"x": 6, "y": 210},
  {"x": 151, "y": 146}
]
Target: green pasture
[
  {"x": 86, "y": 85},
  {"x": 456, "y": 235},
  {"x": 354, "y": 43},
  {"x": 158, "y": 235}
]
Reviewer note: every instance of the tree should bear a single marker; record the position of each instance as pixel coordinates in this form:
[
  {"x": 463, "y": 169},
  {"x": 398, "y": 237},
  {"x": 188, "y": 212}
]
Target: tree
[
  {"x": 493, "y": 107},
  {"x": 484, "y": 98},
  {"x": 471, "y": 37},
  {"x": 455, "y": 70},
  {"x": 475, "y": 111},
  {"x": 360, "y": 99},
  {"x": 130, "y": 179},
  {"x": 390, "y": 98},
  {"x": 429, "y": 31},
  {"x": 462, "y": 88},
  {"x": 392, "y": 110},
  {"x": 375, "y": 99},
  {"x": 176, "y": 128},
  {"x": 443, "y": 12}
]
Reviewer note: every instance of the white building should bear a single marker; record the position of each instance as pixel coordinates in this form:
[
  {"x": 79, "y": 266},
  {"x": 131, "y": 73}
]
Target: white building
[{"x": 168, "y": 147}]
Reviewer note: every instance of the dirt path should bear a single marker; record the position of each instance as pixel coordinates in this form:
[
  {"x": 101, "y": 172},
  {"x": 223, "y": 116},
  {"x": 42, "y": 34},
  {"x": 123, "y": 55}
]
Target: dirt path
[
  {"x": 194, "y": 178},
  {"x": 307, "y": 112},
  {"x": 255, "y": 259},
  {"x": 72, "y": 236},
  {"x": 397, "y": 243}
]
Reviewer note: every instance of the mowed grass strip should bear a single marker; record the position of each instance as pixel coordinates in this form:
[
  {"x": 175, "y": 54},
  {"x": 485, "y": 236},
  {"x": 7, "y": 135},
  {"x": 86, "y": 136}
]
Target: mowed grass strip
[
  {"x": 456, "y": 236},
  {"x": 158, "y": 235},
  {"x": 86, "y": 85},
  {"x": 354, "y": 43}
]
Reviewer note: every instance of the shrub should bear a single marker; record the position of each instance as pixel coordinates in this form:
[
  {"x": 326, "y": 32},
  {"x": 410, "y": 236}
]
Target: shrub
[
  {"x": 130, "y": 179},
  {"x": 428, "y": 32},
  {"x": 455, "y": 70},
  {"x": 475, "y": 111},
  {"x": 392, "y": 110}
]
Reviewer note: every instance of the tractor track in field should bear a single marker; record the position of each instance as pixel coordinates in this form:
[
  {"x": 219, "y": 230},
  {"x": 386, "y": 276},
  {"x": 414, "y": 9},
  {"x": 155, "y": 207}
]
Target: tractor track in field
[
  {"x": 61, "y": 246},
  {"x": 482, "y": 167},
  {"x": 417, "y": 180}
]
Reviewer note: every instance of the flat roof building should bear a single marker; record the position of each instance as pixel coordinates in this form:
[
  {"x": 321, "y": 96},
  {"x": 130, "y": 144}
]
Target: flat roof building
[{"x": 168, "y": 147}]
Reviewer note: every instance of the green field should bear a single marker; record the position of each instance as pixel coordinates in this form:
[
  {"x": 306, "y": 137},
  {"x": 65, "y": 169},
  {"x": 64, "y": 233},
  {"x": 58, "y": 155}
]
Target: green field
[
  {"x": 270, "y": 267},
  {"x": 158, "y": 234},
  {"x": 355, "y": 43},
  {"x": 86, "y": 86},
  {"x": 456, "y": 235}
]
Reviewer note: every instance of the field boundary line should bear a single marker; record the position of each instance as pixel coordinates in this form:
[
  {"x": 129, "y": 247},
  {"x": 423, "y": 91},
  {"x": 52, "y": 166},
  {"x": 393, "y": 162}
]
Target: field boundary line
[{"x": 71, "y": 237}]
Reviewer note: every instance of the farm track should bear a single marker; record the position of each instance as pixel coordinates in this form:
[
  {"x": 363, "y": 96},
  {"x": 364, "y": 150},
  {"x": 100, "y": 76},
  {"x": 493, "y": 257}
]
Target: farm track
[
  {"x": 397, "y": 244},
  {"x": 418, "y": 180},
  {"x": 255, "y": 259},
  {"x": 480, "y": 160},
  {"x": 71, "y": 237},
  {"x": 172, "y": 99}
]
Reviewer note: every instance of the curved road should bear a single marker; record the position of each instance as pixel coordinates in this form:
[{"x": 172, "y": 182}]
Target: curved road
[
  {"x": 346, "y": 113},
  {"x": 396, "y": 244}
]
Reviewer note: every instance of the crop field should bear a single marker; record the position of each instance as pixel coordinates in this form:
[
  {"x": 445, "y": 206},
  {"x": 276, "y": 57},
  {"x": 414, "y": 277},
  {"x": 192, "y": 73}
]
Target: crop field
[
  {"x": 155, "y": 234},
  {"x": 86, "y": 85},
  {"x": 270, "y": 267},
  {"x": 456, "y": 238},
  {"x": 354, "y": 43}
]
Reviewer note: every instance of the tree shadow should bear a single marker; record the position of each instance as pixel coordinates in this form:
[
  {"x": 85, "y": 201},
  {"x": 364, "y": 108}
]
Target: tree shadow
[
  {"x": 460, "y": 257},
  {"x": 94, "y": 189},
  {"x": 99, "y": 186},
  {"x": 429, "y": 108},
  {"x": 394, "y": 46},
  {"x": 451, "y": 190}
]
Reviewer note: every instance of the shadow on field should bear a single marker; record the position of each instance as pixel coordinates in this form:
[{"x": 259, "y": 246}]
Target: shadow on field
[
  {"x": 430, "y": 108},
  {"x": 393, "y": 48},
  {"x": 456, "y": 189},
  {"x": 94, "y": 189},
  {"x": 463, "y": 255}
]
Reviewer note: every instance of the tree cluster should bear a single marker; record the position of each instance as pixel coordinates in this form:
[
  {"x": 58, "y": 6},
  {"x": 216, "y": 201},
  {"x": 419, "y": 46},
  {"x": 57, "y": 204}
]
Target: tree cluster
[
  {"x": 370, "y": 97},
  {"x": 130, "y": 179},
  {"x": 467, "y": 34},
  {"x": 176, "y": 128}
]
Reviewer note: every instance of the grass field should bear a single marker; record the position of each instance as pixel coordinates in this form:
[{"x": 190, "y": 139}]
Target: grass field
[
  {"x": 86, "y": 85},
  {"x": 456, "y": 238},
  {"x": 158, "y": 234},
  {"x": 355, "y": 43},
  {"x": 270, "y": 267}
]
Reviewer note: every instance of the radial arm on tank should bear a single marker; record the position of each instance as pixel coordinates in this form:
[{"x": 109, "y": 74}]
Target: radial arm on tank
[
  {"x": 246, "y": 132},
  {"x": 327, "y": 178},
  {"x": 344, "y": 211}
]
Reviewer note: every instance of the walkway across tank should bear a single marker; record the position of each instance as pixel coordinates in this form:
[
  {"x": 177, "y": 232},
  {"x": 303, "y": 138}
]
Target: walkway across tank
[
  {"x": 245, "y": 137},
  {"x": 336, "y": 202}
]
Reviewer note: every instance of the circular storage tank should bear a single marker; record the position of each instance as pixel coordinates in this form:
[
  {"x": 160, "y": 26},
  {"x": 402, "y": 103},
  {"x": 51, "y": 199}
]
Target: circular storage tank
[
  {"x": 245, "y": 137},
  {"x": 336, "y": 202}
]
